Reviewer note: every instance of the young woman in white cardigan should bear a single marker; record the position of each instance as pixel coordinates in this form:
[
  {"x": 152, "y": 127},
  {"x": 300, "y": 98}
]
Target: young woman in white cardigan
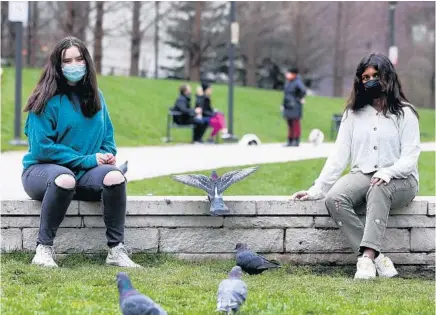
[{"x": 379, "y": 135}]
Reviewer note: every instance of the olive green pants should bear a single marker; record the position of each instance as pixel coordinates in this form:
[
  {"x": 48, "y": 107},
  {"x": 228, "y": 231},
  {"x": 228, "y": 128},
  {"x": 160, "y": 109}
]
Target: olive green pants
[{"x": 354, "y": 189}]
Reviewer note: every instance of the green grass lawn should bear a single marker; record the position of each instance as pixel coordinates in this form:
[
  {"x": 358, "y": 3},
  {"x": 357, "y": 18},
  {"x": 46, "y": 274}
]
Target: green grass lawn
[
  {"x": 84, "y": 285},
  {"x": 138, "y": 108},
  {"x": 273, "y": 179}
]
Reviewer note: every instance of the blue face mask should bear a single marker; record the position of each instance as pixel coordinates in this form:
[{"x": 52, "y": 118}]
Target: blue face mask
[{"x": 74, "y": 73}]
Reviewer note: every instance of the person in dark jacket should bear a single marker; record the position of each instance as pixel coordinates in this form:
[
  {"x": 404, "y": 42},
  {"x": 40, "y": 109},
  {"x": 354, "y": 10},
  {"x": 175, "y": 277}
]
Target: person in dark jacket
[
  {"x": 292, "y": 109},
  {"x": 189, "y": 115},
  {"x": 214, "y": 118},
  {"x": 199, "y": 97}
]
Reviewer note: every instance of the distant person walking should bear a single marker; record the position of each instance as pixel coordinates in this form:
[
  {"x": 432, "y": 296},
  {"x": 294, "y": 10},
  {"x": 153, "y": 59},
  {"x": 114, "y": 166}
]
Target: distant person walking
[{"x": 292, "y": 108}]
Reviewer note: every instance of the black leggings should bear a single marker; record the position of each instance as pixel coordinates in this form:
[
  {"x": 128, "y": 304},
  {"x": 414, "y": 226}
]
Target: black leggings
[{"x": 39, "y": 183}]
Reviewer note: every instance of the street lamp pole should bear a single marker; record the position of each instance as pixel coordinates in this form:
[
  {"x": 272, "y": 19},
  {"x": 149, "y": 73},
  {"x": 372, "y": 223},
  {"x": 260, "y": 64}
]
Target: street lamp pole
[{"x": 231, "y": 54}]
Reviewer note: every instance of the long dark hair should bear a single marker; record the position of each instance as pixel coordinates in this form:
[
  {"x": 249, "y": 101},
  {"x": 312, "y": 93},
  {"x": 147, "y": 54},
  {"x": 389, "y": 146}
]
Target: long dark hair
[
  {"x": 392, "y": 99},
  {"x": 53, "y": 82}
]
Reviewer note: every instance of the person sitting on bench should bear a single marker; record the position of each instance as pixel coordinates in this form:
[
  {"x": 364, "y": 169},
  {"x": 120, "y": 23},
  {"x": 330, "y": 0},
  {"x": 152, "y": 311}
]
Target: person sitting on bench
[
  {"x": 214, "y": 118},
  {"x": 183, "y": 105}
]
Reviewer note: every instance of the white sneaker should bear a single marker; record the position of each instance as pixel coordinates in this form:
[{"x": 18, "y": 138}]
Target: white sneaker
[
  {"x": 365, "y": 268},
  {"x": 44, "y": 256},
  {"x": 385, "y": 267},
  {"x": 117, "y": 256}
]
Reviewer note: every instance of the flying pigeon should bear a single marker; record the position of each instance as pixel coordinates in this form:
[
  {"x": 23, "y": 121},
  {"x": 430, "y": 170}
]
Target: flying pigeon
[
  {"x": 124, "y": 167},
  {"x": 251, "y": 262},
  {"x": 215, "y": 186},
  {"x": 232, "y": 292},
  {"x": 134, "y": 303}
]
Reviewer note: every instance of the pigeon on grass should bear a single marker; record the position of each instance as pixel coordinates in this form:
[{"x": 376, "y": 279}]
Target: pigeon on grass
[
  {"x": 134, "y": 303},
  {"x": 251, "y": 262},
  {"x": 232, "y": 292}
]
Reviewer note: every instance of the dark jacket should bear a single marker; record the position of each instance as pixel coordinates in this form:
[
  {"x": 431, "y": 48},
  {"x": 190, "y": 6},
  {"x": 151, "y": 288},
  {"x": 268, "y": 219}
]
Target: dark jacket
[
  {"x": 294, "y": 91},
  {"x": 183, "y": 105},
  {"x": 199, "y": 100},
  {"x": 207, "y": 107}
]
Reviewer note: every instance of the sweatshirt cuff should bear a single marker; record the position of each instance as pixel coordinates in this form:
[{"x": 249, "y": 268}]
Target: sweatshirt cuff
[
  {"x": 383, "y": 175},
  {"x": 315, "y": 193},
  {"x": 90, "y": 161}
]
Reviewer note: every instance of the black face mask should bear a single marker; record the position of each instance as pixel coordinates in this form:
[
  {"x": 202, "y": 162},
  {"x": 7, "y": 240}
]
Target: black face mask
[{"x": 373, "y": 88}]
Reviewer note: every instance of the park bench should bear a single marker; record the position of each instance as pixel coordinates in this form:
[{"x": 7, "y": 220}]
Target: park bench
[{"x": 172, "y": 125}]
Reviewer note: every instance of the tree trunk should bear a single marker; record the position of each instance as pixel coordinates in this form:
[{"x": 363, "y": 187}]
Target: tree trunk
[
  {"x": 195, "y": 64},
  {"x": 82, "y": 19},
  {"x": 298, "y": 34},
  {"x": 251, "y": 60},
  {"x": 69, "y": 23},
  {"x": 135, "y": 47},
  {"x": 187, "y": 66},
  {"x": 6, "y": 38},
  {"x": 77, "y": 19},
  {"x": 156, "y": 41},
  {"x": 98, "y": 36},
  {"x": 337, "y": 63},
  {"x": 32, "y": 29},
  {"x": 35, "y": 41},
  {"x": 432, "y": 83},
  {"x": 251, "y": 66}
]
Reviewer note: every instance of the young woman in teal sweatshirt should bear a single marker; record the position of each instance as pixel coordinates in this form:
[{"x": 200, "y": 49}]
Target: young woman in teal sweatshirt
[{"x": 72, "y": 152}]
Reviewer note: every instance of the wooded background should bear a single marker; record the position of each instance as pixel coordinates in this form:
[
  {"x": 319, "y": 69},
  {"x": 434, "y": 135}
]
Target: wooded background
[{"x": 325, "y": 40}]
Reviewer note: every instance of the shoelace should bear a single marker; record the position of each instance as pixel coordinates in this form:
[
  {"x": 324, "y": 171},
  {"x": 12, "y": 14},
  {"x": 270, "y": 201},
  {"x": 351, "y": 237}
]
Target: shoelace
[{"x": 122, "y": 250}]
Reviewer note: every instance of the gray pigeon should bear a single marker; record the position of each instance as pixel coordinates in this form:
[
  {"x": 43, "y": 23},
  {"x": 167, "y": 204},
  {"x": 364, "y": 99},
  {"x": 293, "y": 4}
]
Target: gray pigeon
[
  {"x": 251, "y": 262},
  {"x": 215, "y": 186},
  {"x": 134, "y": 303},
  {"x": 232, "y": 292},
  {"x": 124, "y": 167}
]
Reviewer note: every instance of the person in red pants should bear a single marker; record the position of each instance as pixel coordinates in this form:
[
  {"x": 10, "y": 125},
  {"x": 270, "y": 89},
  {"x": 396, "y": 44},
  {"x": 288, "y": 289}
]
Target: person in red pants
[{"x": 292, "y": 108}]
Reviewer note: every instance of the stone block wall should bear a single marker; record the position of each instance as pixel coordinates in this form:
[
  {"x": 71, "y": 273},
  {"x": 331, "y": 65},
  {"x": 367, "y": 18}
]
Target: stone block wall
[{"x": 291, "y": 231}]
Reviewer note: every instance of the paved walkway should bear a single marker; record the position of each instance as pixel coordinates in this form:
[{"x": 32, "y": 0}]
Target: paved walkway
[{"x": 152, "y": 161}]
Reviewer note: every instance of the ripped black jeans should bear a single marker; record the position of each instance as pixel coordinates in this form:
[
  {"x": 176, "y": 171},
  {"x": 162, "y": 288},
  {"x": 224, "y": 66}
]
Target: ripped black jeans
[{"x": 39, "y": 183}]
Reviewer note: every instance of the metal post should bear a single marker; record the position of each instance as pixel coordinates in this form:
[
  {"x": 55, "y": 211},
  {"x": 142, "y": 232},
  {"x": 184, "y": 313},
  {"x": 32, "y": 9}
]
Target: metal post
[
  {"x": 231, "y": 66},
  {"x": 18, "y": 70}
]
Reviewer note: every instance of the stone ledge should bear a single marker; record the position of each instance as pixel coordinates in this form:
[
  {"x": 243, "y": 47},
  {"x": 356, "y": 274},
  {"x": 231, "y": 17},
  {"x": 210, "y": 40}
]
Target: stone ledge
[
  {"x": 301, "y": 232},
  {"x": 422, "y": 239},
  {"x": 318, "y": 241},
  {"x": 219, "y": 240},
  {"x": 30, "y": 207},
  {"x": 196, "y": 205},
  {"x": 86, "y": 240}
]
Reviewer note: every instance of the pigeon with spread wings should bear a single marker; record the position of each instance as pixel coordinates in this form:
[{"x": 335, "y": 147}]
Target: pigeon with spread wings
[{"x": 215, "y": 185}]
